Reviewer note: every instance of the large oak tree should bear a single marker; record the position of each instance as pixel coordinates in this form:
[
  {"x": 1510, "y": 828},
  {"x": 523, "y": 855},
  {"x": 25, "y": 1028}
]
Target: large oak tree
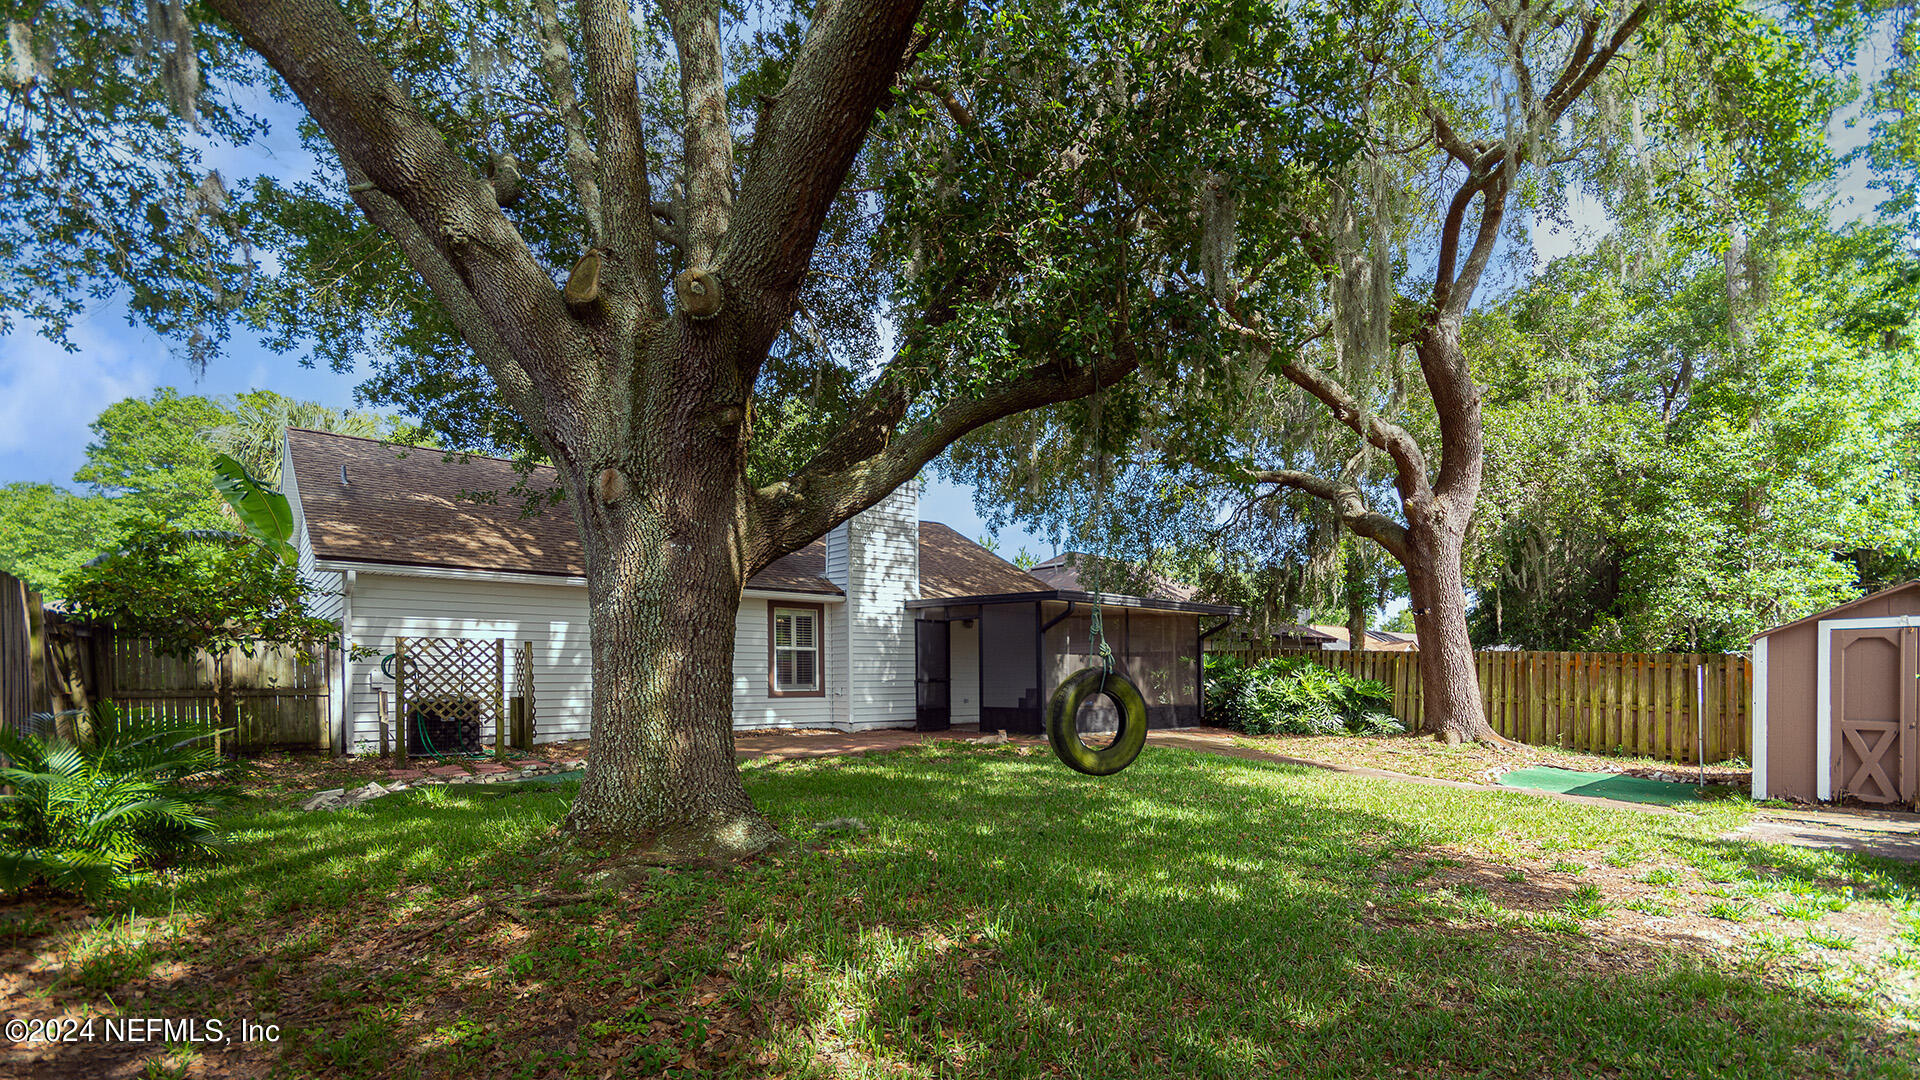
[
  {"x": 1355, "y": 397},
  {"x": 650, "y": 245}
]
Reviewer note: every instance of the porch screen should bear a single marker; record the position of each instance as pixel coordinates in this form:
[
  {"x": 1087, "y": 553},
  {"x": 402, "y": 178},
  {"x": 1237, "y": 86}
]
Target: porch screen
[
  {"x": 1010, "y": 696},
  {"x": 1161, "y": 658},
  {"x": 1157, "y": 650}
]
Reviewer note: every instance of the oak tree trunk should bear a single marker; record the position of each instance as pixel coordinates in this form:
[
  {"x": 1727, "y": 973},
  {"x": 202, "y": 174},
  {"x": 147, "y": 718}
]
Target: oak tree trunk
[
  {"x": 663, "y": 521},
  {"x": 1437, "y": 521},
  {"x": 1449, "y": 682}
]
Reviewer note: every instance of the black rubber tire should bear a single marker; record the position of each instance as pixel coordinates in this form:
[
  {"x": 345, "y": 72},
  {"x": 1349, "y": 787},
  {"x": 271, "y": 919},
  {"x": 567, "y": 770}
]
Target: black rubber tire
[{"x": 1062, "y": 727}]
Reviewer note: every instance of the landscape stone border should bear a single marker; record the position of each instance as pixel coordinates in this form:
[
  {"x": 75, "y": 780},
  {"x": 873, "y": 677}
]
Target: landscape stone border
[{"x": 481, "y": 772}]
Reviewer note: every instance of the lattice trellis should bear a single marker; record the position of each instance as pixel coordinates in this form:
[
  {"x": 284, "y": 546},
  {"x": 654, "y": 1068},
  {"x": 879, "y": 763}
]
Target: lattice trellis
[
  {"x": 522, "y": 661},
  {"x": 451, "y": 693}
]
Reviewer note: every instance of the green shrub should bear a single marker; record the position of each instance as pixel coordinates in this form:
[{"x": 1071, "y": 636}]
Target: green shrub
[
  {"x": 129, "y": 795},
  {"x": 1295, "y": 696}
]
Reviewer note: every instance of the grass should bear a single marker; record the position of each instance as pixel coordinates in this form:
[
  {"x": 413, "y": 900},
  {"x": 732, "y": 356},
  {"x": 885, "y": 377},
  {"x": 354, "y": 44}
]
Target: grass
[
  {"x": 1192, "y": 916},
  {"x": 1419, "y": 755}
]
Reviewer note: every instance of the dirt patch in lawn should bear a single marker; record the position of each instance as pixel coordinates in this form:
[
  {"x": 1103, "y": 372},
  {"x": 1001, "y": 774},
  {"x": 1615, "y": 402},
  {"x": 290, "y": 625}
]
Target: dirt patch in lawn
[
  {"x": 1421, "y": 755},
  {"x": 1823, "y": 935},
  {"x": 470, "y": 987}
]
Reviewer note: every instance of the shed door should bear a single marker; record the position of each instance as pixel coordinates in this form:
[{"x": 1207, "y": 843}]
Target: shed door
[
  {"x": 932, "y": 684},
  {"x": 1876, "y": 750}
]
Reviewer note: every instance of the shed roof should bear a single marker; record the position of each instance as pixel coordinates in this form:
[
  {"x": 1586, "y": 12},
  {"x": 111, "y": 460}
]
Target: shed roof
[{"x": 1839, "y": 609}]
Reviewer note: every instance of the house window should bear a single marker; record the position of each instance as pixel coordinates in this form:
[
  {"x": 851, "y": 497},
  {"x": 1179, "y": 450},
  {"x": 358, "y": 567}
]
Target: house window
[{"x": 794, "y": 650}]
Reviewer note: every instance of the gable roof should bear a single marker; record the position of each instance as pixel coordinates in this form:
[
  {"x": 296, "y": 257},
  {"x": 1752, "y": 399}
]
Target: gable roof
[
  {"x": 1063, "y": 571},
  {"x": 408, "y": 506},
  {"x": 952, "y": 565}
]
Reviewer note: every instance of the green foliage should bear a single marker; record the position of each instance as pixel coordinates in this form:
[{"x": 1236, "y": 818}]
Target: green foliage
[
  {"x": 148, "y": 452},
  {"x": 96, "y": 813},
  {"x": 1295, "y": 696},
  {"x": 46, "y": 532},
  {"x": 1653, "y": 485},
  {"x": 265, "y": 513},
  {"x": 155, "y": 459},
  {"x": 194, "y": 591},
  {"x": 254, "y": 433}
]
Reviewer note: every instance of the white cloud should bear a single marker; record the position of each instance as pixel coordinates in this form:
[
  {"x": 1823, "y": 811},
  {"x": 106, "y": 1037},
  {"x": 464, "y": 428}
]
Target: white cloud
[{"x": 48, "y": 396}]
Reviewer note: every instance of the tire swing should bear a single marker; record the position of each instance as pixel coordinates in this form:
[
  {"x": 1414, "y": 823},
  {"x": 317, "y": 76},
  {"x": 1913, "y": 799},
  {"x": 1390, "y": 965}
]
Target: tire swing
[
  {"x": 1063, "y": 727},
  {"x": 1063, "y": 709}
]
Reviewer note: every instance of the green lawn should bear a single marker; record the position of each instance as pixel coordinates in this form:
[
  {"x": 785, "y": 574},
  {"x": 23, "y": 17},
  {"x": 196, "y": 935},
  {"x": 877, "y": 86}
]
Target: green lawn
[{"x": 1193, "y": 916}]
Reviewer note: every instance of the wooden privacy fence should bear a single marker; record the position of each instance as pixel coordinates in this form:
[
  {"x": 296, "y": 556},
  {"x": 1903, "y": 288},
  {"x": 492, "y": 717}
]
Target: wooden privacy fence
[
  {"x": 1682, "y": 707},
  {"x": 49, "y": 663},
  {"x": 270, "y": 699}
]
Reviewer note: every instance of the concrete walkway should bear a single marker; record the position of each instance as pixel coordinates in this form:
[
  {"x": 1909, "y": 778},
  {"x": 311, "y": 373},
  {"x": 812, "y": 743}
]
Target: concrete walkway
[{"x": 1889, "y": 834}]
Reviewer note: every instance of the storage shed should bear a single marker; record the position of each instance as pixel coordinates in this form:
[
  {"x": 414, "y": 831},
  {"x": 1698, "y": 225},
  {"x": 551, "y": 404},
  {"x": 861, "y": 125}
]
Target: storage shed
[{"x": 1834, "y": 702}]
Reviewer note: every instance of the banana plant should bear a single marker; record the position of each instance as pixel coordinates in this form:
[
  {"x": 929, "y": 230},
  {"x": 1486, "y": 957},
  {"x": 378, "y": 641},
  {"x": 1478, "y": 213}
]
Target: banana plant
[{"x": 263, "y": 512}]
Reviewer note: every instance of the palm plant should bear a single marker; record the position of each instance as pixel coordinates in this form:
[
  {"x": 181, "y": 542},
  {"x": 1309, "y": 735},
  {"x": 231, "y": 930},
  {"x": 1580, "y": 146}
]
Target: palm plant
[{"x": 130, "y": 794}]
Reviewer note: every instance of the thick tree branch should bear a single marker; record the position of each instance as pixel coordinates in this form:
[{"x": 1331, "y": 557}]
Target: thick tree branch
[
  {"x": 806, "y": 143},
  {"x": 1452, "y": 293},
  {"x": 606, "y": 35},
  {"x": 556, "y": 65},
  {"x": 371, "y": 121},
  {"x": 1347, "y": 502},
  {"x": 1410, "y": 463},
  {"x": 1568, "y": 90},
  {"x": 842, "y": 482},
  {"x": 452, "y": 293},
  {"x": 706, "y": 207}
]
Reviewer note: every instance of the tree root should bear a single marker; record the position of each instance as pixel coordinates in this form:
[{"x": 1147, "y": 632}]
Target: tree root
[{"x": 745, "y": 838}]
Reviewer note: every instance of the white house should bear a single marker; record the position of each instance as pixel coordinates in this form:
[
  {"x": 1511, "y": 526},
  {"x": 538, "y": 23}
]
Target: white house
[{"x": 878, "y": 624}]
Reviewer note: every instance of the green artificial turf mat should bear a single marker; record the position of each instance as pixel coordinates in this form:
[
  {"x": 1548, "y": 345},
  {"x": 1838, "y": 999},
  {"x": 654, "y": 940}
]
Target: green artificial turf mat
[{"x": 1601, "y": 785}]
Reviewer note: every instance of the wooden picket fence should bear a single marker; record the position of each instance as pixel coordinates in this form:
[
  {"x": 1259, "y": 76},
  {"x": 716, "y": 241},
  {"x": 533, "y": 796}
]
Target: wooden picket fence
[
  {"x": 49, "y": 664},
  {"x": 1679, "y": 707}
]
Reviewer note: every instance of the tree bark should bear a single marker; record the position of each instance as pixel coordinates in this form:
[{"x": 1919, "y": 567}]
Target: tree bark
[
  {"x": 665, "y": 573},
  {"x": 1449, "y": 681},
  {"x": 1354, "y": 586}
]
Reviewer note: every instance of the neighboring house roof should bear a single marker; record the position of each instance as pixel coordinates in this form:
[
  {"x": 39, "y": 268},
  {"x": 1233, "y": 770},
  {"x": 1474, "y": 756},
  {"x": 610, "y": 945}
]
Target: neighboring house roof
[
  {"x": 1304, "y": 633},
  {"x": 952, "y": 565},
  {"x": 1378, "y": 640},
  {"x": 407, "y": 506},
  {"x": 1064, "y": 571}
]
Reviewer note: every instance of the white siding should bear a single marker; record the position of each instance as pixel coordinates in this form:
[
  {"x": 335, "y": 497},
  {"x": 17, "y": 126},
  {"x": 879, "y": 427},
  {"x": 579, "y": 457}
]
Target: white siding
[
  {"x": 883, "y": 573},
  {"x": 964, "y": 691},
  {"x": 839, "y": 665},
  {"x": 753, "y": 706},
  {"x": 323, "y": 587},
  {"x": 553, "y": 617},
  {"x": 869, "y": 664}
]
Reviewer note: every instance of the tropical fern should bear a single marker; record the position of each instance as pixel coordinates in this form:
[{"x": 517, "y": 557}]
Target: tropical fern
[{"x": 133, "y": 792}]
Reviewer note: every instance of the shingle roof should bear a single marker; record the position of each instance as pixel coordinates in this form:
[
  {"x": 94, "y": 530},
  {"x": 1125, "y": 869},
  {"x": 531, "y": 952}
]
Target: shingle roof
[
  {"x": 952, "y": 565},
  {"x": 1064, "y": 572},
  {"x": 409, "y": 506}
]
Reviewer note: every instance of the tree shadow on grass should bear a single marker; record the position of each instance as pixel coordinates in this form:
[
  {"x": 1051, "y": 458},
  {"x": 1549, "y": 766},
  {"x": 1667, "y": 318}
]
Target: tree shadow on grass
[
  {"x": 1192, "y": 916},
  {"x": 1263, "y": 945}
]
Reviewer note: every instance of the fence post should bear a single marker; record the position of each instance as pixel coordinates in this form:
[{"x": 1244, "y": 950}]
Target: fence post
[
  {"x": 500, "y": 699},
  {"x": 400, "y": 701}
]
